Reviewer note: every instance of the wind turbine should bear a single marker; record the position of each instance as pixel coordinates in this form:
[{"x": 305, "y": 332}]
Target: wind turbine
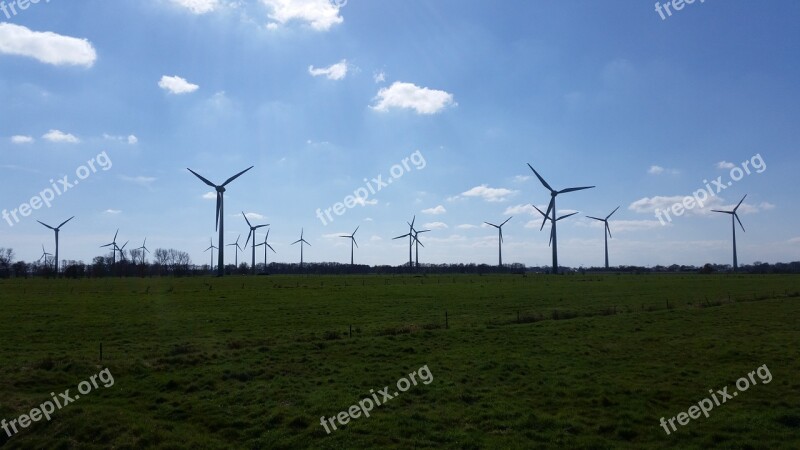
[
  {"x": 236, "y": 250},
  {"x": 352, "y": 238},
  {"x": 56, "y": 230},
  {"x": 211, "y": 247},
  {"x": 301, "y": 241},
  {"x": 552, "y": 233},
  {"x": 143, "y": 249},
  {"x": 552, "y": 207},
  {"x": 266, "y": 245},
  {"x": 734, "y": 215},
  {"x": 607, "y": 233},
  {"x": 500, "y": 231},
  {"x": 44, "y": 256},
  {"x": 219, "y": 222},
  {"x": 253, "y": 233},
  {"x": 417, "y": 243},
  {"x": 114, "y": 248},
  {"x": 410, "y": 235},
  {"x": 122, "y": 251}
]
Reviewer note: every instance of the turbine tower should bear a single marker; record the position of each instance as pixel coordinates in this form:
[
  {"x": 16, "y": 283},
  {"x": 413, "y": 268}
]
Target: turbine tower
[
  {"x": 56, "y": 230},
  {"x": 266, "y": 245},
  {"x": 301, "y": 241},
  {"x": 734, "y": 215},
  {"x": 44, "y": 256},
  {"x": 236, "y": 250},
  {"x": 114, "y": 248},
  {"x": 253, "y": 233},
  {"x": 410, "y": 235},
  {"x": 219, "y": 222},
  {"x": 552, "y": 233},
  {"x": 211, "y": 247},
  {"x": 352, "y": 238},
  {"x": 417, "y": 243},
  {"x": 607, "y": 232},
  {"x": 500, "y": 231},
  {"x": 552, "y": 207},
  {"x": 143, "y": 249}
]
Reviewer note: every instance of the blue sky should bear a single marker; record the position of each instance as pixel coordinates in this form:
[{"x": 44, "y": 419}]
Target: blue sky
[{"x": 319, "y": 96}]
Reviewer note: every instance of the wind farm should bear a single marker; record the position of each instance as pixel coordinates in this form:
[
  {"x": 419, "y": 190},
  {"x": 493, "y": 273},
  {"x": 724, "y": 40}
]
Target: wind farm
[{"x": 470, "y": 326}]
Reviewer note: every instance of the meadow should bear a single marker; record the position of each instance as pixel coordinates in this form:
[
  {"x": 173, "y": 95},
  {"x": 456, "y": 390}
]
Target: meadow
[{"x": 579, "y": 361}]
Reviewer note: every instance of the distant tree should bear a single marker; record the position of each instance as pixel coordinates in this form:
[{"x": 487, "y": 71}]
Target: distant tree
[
  {"x": 20, "y": 269},
  {"x": 707, "y": 269},
  {"x": 6, "y": 259}
]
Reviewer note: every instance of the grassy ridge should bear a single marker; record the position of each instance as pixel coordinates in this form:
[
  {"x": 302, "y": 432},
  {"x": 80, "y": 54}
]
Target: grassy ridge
[{"x": 255, "y": 362}]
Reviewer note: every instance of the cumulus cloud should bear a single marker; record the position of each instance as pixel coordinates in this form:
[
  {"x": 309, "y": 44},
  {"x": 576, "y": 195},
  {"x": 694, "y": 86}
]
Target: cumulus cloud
[
  {"x": 254, "y": 216},
  {"x": 19, "y": 139},
  {"x": 211, "y": 195},
  {"x": 198, "y": 6},
  {"x": 435, "y": 210},
  {"x": 410, "y": 96},
  {"x": 46, "y": 47},
  {"x": 59, "y": 136},
  {"x": 520, "y": 209},
  {"x": 436, "y": 225},
  {"x": 725, "y": 165},
  {"x": 133, "y": 140},
  {"x": 130, "y": 139},
  {"x": 658, "y": 170},
  {"x": 333, "y": 72},
  {"x": 176, "y": 85},
  {"x": 112, "y": 211},
  {"x": 321, "y": 15},
  {"x": 379, "y": 77},
  {"x": 487, "y": 193}
]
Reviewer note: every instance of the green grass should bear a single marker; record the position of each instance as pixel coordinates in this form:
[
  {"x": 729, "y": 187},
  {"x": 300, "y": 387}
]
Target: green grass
[{"x": 525, "y": 362}]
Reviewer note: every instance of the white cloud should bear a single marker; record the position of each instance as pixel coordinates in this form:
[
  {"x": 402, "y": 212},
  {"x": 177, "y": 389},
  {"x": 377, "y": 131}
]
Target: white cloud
[
  {"x": 487, "y": 193},
  {"x": 198, "y": 6},
  {"x": 767, "y": 206},
  {"x": 435, "y": 211},
  {"x": 212, "y": 195},
  {"x": 649, "y": 205},
  {"x": 520, "y": 209},
  {"x": 333, "y": 72},
  {"x": 725, "y": 165},
  {"x": 379, "y": 77},
  {"x": 321, "y": 15},
  {"x": 112, "y": 211},
  {"x": 19, "y": 139},
  {"x": 130, "y": 139},
  {"x": 140, "y": 180},
  {"x": 436, "y": 225},
  {"x": 364, "y": 202},
  {"x": 254, "y": 216},
  {"x": 176, "y": 85},
  {"x": 655, "y": 170},
  {"x": 794, "y": 240},
  {"x": 46, "y": 47},
  {"x": 466, "y": 226},
  {"x": 410, "y": 96},
  {"x": 627, "y": 225},
  {"x": 60, "y": 137},
  {"x": 521, "y": 178}
]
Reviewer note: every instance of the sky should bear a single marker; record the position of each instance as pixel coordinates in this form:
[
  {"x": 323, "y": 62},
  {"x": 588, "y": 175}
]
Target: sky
[{"x": 330, "y": 100}]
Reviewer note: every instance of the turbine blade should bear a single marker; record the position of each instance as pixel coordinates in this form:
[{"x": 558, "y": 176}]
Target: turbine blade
[
  {"x": 295, "y": 242},
  {"x": 551, "y": 238},
  {"x": 414, "y": 219},
  {"x": 564, "y": 191},
  {"x": 506, "y": 221},
  {"x": 355, "y": 242},
  {"x": 202, "y": 179},
  {"x": 248, "y": 238},
  {"x": 740, "y": 222},
  {"x": 724, "y": 212},
  {"x": 550, "y": 207},
  {"x": 740, "y": 203},
  {"x": 491, "y": 224},
  {"x": 270, "y": 247},
  {"x": 608, "y": 229},
  {"x": 216, "y": 220},
  {"x": 400, "y": 237},
  {"x": 64, "y": 222},
  {"x": 236, "y": 176},
  {"x": 612, "y": 213},
  {"x": 261, "y": 226},
  {"x": 115, "y": 235},
  {"x": 544, "y": 183},
  {"x": 245, "y": 219},
  {"x": 48, "y": 226},
  {"x": 568, "y": 215},
  {"x": 595, "y": 218},
  {"x": 354, "y": 232}
]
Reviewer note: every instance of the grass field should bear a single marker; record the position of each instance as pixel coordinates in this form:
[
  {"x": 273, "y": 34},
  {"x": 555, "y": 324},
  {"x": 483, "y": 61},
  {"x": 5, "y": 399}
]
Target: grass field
[{"x": 519, "y": 362}]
